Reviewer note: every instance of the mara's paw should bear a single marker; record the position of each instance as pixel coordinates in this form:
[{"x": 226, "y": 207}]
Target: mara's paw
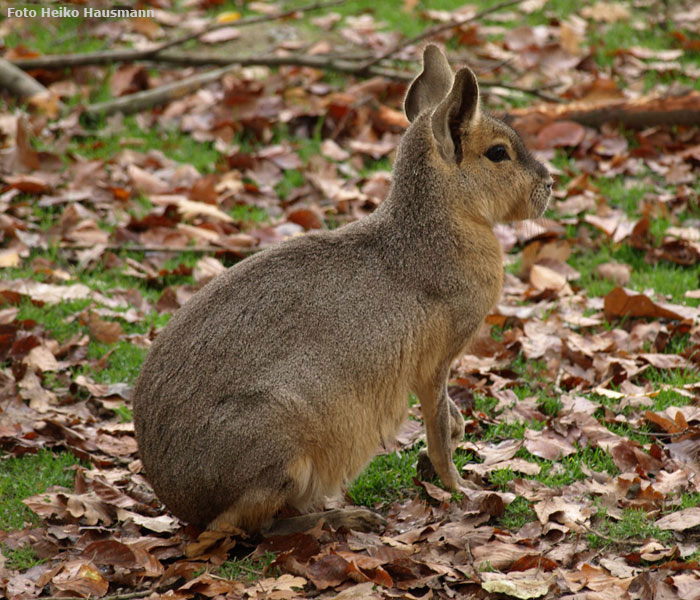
[{"x": 359, "y": 519}]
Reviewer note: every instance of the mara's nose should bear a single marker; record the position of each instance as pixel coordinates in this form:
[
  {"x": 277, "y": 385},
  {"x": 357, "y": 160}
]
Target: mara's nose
[{"x": 549, "y": 184}]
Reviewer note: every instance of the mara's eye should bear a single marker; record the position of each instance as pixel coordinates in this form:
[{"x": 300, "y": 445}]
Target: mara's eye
[{"x": 497, "y": 153}]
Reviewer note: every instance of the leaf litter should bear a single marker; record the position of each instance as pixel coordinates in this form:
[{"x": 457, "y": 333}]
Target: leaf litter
[{"x": 604, "y": 357}]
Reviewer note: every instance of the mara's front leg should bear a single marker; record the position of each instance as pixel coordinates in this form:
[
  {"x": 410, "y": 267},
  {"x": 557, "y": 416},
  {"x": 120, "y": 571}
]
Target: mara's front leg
[{"x": 444, "y": 429}]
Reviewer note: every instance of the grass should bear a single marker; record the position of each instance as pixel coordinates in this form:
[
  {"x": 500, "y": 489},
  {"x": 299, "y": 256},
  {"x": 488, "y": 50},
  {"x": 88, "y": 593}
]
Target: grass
[
  {"x": 248, "y": 568},
  {"x": 22, "y": 477},
  {"x": 21, "y": 559},
  {"x": 634, "y": 524},
  {"x": 517, "y": 513},
  {"x": 176, "y": 145},
  {"x": 388, "y": 478}
]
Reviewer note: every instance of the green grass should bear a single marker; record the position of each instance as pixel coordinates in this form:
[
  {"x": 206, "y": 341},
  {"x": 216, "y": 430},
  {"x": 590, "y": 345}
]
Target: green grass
[
  {"x": 389, "y": 477},
  {"x": 248, "y": 568},
  {"x": 634, "y": 524},
  {"x": 66, "y": 35},
  {"x": 177, "y": 145},
  {"x": 517, "y": 513},
  {"x": 27, "y": 476},
  {"x": 123, "y": 364},
  {"x": 664, "y": 278},
  {"x": 559, "y": 473},
  {"x": 124, "y": 413},
  {"x": 21, "y": 559}
]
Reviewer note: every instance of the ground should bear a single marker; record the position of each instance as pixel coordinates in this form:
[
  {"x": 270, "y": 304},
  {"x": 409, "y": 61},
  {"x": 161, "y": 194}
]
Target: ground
[{"x": 581, "y": 394}]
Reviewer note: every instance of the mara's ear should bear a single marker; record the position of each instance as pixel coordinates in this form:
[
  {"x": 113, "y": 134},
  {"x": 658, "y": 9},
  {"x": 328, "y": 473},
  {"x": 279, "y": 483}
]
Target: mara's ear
[
  {"x": 456, "y": 113},
  {"x": 432, "y": 85}
]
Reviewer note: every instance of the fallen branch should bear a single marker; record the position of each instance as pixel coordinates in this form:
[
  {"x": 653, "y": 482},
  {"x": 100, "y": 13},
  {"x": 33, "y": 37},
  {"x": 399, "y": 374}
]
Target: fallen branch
[
  {"x": 153, "y": 248},
  {"x": 172, "y": 91},
  {"x": 130, "y": 596},
  {"x": 648, "y": 111},
  {"x": 17, "y": 82},
  {"x": 62, "y": 61},
  {"x": 139, "y": 101}
]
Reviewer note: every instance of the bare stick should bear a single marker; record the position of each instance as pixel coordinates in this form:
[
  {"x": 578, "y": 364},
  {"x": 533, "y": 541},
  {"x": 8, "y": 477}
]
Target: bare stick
[
  {"x": 438, "y": 29},
  {"x": 141, "y": 594},
  {"x": 16, "y": 81},
  {"x": 154, "y": 248},
  {"x": 147, "y": 99},
  {"x": 647, "y": 111}
]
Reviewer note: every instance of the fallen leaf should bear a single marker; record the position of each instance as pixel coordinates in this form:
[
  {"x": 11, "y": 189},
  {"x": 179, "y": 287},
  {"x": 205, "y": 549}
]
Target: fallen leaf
[
  {"x": 81, "y": 577},
  {"x": 619, "y": 273},
  {"x": 518, "y": 584},
  {"x": 624, "y": 303},
  {"x": 680, "y": 520},
  {"x": 560, "y": 134}
]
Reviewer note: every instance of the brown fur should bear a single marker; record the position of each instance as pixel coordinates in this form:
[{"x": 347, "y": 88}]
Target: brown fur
[{"x": 277, "y": 382}]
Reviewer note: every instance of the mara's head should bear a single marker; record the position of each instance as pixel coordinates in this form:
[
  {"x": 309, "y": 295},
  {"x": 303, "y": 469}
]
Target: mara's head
[{"x": 482, "y": 159}]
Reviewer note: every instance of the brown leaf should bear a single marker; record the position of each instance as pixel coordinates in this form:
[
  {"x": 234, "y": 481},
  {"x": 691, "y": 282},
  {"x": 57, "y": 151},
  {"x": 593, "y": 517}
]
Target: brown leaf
[
  {"x": 559, "y": 134},
  {"x": 26, "y": 157},
  {"x": 663, "y": 422},
  {"x": 308, "y": 218},
  {"x": 544, "y": 278},
  {"x": 433, "y": 491},
  {"x": 681, "y": 520},
  {"x": 110, "y": 552},
  {"x": 623, "y": 303},
  {"x": 681, "y": 252},
  {"x": 116, "y": 446},
  {"x": 206, "y": 269},
  {"x": 210, "y": 586},
  {"x": 608, "y": 12},
  {"x": 146, "y": 182},
  {"x": 331, "y": 149},
  {"x": 666, "y": 361},
  {"x": 225, "y": 34},
  {"x": 129, "y": 79},
  {"x": 619, "y": 273},
  {"x": 534, "y": 561},
  {"x": 81, "y": 577},
  {"x": 328, "y": 571},
  {"x": 161, "y": 524},
  {"x": 627, "y": 456},
  {"x": 107, "y": 332},
  {"x": 204, "y": 190},
  {"x": 548, "y": 444}
]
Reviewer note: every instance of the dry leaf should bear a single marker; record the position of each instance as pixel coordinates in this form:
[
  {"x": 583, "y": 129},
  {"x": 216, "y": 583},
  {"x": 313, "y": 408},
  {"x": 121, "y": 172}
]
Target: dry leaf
[{"x": 619, "y": 273}]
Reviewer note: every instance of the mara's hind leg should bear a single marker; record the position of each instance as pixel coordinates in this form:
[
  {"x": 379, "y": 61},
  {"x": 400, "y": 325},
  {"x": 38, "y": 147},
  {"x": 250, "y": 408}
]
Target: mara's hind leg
[
  {"x": 359, "y": 519},
  {"x": 253, "y": 511}
]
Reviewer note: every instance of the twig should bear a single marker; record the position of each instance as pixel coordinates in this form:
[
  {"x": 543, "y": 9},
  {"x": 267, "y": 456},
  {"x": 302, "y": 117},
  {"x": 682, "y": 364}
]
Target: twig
[
  {"x": 431, "y": 31},
  {"x": 532, "y": 91},
  {"x": 16, "y": 81},
  {"x": 141, "y": 594},
  {"x": 139, "y": 101},
  {"x": 61, "y": 61},
  {"x": 607, "y": 538},
  {"x": 154, "y": 248},
  {"x": 172, "y": 91},
  {"x": 24, "y": 86}
]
